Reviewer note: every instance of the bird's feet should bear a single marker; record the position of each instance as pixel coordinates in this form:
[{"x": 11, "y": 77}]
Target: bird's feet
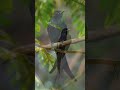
[
  {"x": 61, "y": 44},
  {"x": 52, "y": 46}
]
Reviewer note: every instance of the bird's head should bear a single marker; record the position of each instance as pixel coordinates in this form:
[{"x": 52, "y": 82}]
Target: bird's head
[{"x": 58, "y": 13}]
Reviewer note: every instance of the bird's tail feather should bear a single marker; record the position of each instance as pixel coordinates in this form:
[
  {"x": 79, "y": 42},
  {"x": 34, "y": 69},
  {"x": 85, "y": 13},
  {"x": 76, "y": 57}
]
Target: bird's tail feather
[{"x": 67, "y": 69}]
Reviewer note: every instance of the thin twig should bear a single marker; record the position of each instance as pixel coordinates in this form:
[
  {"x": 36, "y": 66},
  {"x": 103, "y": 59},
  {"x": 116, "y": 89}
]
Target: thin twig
[{"x": 61, "y": 51}]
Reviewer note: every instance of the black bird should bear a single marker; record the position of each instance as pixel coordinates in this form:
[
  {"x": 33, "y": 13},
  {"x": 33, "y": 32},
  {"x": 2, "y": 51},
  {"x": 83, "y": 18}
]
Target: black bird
[{"x": 58, "y": 32}]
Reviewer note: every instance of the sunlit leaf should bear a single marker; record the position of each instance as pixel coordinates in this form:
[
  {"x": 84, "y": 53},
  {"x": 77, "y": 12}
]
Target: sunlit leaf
[
  {"x": 37, "y": 30},
  {"x": 45, "y": 58}
]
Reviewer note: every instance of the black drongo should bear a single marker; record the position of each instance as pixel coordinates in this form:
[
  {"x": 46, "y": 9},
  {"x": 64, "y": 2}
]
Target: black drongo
[{"x": 58, "y": 32}]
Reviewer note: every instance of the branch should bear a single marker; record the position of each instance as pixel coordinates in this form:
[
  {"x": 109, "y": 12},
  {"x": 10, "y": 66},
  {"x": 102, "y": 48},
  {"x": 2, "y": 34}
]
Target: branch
[
  {"x": 57, "y": 44},
  {"x": 78, "y": 51},
  {"x": 92, "y": 36},
  {"x": 71, "y": 41},
  {"x": 30, "y": 48}
]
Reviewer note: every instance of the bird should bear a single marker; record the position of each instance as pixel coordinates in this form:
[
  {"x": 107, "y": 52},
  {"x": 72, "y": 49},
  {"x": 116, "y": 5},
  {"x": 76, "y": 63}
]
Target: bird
[{"x": 58, "y": 32}]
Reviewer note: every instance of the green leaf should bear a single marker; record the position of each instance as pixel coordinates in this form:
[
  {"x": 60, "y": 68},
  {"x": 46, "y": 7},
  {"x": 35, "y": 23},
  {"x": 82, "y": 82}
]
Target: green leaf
[
  {"x": 46, "y": 59},
  {"x": 37, "y": 30}
]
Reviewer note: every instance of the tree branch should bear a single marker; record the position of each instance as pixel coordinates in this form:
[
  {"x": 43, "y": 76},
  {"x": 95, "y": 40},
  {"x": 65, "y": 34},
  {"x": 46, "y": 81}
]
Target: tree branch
[
  {"x": 92, "y": 36},
  {"x": 54, "y": 45},
  {"x": 30, "y": 48},
  {"x": 67, "y": 42},
  {"x": 78, "y": 51}
]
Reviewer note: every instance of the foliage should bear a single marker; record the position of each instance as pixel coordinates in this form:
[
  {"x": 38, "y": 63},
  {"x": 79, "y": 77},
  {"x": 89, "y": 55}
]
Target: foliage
[
  {"x": 43, "y": 11},
  {"x": 78, "y": 15},
  {"x": 45, "y": 8},
  {"x": 46, "y": 59}
]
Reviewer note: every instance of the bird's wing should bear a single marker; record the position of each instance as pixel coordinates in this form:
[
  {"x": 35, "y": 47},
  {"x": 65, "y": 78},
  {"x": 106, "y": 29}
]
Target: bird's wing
[
  {"x": 62, "y": 24},
  {"x": 53, "y": 33}
]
